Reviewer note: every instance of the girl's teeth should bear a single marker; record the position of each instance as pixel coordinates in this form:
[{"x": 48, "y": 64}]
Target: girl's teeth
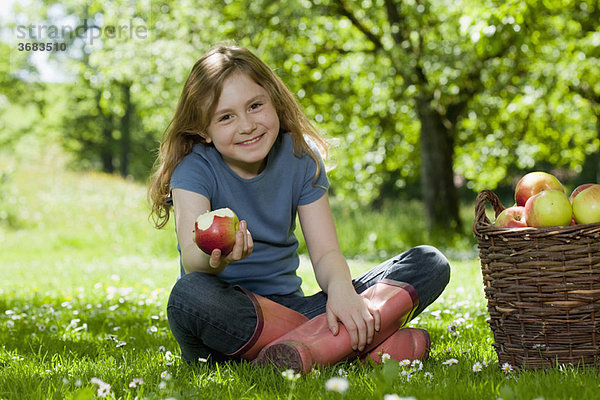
[{"x": 251, "y": 141}]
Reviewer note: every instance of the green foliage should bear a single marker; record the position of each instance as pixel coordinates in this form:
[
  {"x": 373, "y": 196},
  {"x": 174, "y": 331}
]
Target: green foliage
[{"x": 514, "y": 83}]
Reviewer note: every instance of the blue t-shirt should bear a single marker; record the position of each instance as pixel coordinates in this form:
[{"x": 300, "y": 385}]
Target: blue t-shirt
[{"x": 268, "y": 202}]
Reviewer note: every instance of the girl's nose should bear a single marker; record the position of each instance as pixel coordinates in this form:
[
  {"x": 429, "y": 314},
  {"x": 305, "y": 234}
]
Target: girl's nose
[{"x": 246, "y": 125}]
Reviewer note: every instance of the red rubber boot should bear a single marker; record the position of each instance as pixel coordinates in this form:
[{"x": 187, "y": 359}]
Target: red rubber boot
[
  {"x": 312, "y": 343},
  {"x": 273, "y": 321},
  {"x": 405, "y": 344}
]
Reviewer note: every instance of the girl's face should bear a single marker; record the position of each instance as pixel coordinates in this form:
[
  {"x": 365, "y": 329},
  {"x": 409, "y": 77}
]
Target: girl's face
[{"x": 244, "y": 125}]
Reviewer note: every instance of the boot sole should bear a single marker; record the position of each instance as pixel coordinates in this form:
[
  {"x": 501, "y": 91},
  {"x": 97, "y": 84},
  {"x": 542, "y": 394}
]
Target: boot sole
[{"x": 282, "y": 356}]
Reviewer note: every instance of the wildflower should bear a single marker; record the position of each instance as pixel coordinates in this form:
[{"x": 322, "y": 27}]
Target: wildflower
[
  {"x": 507, "y": 368},
  {"x": 103, "y": 391},
  {"x": 343, "y": 373},
  {"x": 450, "y": 361},
  {"x": 315, "y": 372},
  {"x": 335, "y": 384},
  {"x": 477, "y": 367},
  {"x": 103, "y": 387},
  {"x": 136, "y": 382},
  {"x": 417, "y": 365},
  {"x": 404, "y": 363},
  {"x": 486, "y": 363},
  {"x": 121, "y": 344},
  {"x": 385, "y": 357},
  {"x": 202, "y": 360},
  {"x": 290, "y": 375},
  {"x": 428, "y": 375},
  {"x": 391, "y": 397},
  {"x": 165, "y": 375},
  {"x": 406, "y": 375}
]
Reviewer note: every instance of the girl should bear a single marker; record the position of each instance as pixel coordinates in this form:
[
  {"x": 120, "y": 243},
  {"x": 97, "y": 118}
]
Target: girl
[{"x": 239, "y": 139}]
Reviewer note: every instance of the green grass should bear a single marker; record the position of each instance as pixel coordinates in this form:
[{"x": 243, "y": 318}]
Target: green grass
[{"x": 85, "y": 283}]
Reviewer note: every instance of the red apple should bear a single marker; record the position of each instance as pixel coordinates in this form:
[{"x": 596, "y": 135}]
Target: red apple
[
  {"x": 586, "y": 205},
  {"x": 216, "y": 230},
  {"x": 548, "y": 208},
  {"x": 578, "y": 190},
  {"x": 511, "y": 217},
  {"x": 533, "y": 183}
]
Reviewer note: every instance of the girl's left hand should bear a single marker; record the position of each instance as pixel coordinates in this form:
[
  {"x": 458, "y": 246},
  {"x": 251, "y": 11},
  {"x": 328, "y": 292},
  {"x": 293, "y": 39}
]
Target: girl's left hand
[{"x": 355, "y": 312}]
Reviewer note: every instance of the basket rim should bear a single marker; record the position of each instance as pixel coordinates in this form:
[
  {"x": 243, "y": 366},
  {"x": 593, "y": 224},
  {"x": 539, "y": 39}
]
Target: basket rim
[{"x": 483, "y": 227}]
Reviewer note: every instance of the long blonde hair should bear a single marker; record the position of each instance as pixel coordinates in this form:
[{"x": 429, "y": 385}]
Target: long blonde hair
[{"x": 196, "y": 105}]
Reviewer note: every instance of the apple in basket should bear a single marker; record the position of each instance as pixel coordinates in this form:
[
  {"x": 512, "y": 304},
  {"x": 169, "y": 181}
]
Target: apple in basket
[
  {"x": 548, "y": 208},
  {"x": 216, "y": 230},
  {"x": 586, "y": 205},
  {"x": 533, "y": 183},
  {"x": 511, "y": 217},
  {"x": 578, "y": 190}
]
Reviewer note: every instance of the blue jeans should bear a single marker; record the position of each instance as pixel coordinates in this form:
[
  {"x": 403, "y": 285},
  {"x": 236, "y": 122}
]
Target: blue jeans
[{"x": 211, "y": 318}]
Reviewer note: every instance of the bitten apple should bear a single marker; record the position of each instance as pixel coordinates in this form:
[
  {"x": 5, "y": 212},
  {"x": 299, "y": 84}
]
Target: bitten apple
[
  {"x": 511, "y": 217},
  {"x": 533, "y": 183},
  {"x": 586, "y": 205},
  {"x": 548, "y": 208},
  {"x": 216, "y": 230}
]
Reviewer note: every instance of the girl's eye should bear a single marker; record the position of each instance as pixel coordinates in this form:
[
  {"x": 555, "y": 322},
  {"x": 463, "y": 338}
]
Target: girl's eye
[
  {"x": 255, "y": 106},
  {"x": 224, "y": 118}
]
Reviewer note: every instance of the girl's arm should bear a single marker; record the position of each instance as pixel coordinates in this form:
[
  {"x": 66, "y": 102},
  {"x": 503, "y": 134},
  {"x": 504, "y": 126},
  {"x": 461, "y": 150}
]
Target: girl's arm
[
  {"x": 187, "y": 207},
  {"x": 333, "y": 275}
]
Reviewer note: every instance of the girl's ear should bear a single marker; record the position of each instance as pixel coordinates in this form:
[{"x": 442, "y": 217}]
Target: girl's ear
[{"x": 206, "y": 138}]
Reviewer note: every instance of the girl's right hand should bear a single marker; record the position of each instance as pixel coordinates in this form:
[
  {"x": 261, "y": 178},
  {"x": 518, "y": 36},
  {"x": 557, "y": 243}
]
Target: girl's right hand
[{"x": 241, "y": 249}]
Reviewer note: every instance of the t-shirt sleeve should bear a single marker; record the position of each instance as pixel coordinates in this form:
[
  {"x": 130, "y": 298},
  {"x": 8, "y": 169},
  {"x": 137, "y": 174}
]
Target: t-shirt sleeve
[
  {"x": 313, "y": 189},
  {"x": 194, "y": 174}
]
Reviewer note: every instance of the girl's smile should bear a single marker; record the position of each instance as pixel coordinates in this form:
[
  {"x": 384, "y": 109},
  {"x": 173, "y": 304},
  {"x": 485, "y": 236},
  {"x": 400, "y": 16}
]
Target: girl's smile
[
  {"x": 244, "y": 125},
  {"x": 251, "y": 141}
]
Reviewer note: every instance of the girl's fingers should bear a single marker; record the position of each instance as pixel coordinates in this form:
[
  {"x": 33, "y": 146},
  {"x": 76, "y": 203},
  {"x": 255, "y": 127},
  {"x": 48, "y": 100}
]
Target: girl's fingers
[
  {"x": 361, "y": 333},
  {"x": 332, "y": 322},
  {"x": 215, "y": 258},
  {"x": 370, "y": 325},
  {"x": 377, "y": 319},
  {"x": 249, "y": 243}
]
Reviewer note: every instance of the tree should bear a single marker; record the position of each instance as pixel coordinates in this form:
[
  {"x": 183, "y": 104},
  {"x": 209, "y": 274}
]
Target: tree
[
  {"x": 432, "y": 90},
  {"x": 429, "y": 59}
]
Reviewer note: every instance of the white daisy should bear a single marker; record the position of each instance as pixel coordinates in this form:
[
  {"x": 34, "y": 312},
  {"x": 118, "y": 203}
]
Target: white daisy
[
  {"x": 450, "y": 361},
  {"x": 339, "y": 385},
  {"x": 507, "y": 368},
  {"x": 290, "y": 375}
]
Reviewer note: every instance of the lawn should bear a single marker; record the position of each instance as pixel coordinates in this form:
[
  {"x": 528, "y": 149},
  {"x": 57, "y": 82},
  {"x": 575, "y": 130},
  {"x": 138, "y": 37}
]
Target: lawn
[{"x": 85, "y": 280}]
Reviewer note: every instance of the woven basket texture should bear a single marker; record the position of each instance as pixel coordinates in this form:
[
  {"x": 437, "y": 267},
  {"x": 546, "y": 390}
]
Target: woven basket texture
[{"x": 542, "y": 287}]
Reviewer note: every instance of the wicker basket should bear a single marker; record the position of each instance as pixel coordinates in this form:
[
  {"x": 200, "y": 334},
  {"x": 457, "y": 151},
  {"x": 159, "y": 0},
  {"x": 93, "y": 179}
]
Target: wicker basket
[{"x": 543, "y": 290}]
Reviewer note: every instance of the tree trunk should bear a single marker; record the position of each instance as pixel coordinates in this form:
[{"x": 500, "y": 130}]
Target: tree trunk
[
  {"x": 106, "y": 151},
  {"x": 437, "y": 178},
  {"x": 126, "y": 129},
  {"x": 106, "y": 145}
]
